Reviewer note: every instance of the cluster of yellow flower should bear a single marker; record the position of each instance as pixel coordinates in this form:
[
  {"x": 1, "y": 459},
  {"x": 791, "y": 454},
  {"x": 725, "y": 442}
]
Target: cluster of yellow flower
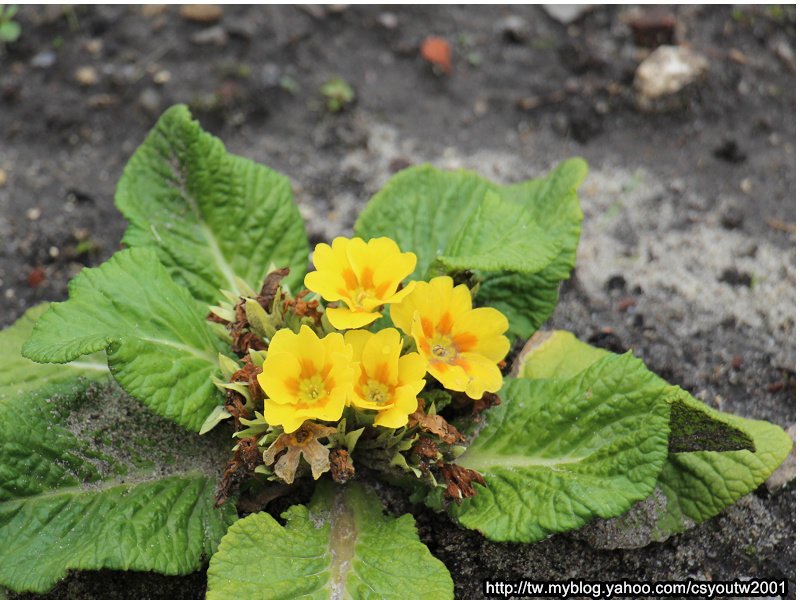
[{"x": 307, "y": 377}]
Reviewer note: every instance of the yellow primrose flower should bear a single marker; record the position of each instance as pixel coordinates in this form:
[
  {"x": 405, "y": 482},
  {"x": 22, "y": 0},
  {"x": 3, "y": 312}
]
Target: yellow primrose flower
[
  {"x": 305, "y": 377},
  {"x": 385, "y": 381},
  {"x": 461, "y": 344},
  {"x": 360, "y": 275}
]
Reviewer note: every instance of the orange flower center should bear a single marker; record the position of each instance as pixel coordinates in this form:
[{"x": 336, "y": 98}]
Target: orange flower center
[{"x": 360, "y": 287}]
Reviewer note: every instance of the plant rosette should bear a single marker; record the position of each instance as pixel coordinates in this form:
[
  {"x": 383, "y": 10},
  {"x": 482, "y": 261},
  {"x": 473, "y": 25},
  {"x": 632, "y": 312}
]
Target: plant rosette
[{"x": 399, "y": 357}]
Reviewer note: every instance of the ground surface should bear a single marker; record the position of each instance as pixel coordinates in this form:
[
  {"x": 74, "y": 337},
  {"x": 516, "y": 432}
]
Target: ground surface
[{"x": 688, "y": 251}]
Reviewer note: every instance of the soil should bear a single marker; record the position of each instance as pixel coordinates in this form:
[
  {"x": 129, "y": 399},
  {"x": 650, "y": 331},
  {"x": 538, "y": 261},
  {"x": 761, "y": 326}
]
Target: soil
[{"x": 688, "y": 251}]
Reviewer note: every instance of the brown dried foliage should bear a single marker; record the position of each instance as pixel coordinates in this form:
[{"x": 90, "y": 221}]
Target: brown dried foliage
[
  {"x": 248, "y": 374},
  {"x": 342, "y": 468},
  {"x": 244, "y": 461},
  {"x": 459, "y": 481},
  {"x": 434, "y": 424},
  {"x": 271, "y": 287}
]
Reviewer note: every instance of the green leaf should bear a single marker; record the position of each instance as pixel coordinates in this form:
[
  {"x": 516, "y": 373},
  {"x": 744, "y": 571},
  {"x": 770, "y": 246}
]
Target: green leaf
[
  {"x": 20, "y": 377},
  {"x": 693, "y": 425},
  {"x": 699, "y": 485},
  {"x": 497, "y": 237},
  {"x": 425, "y": 210},
  {"x": 555, "y": 354},
  {"x": 158, "y": 343},
  {"x": 211, "y": 215},
  {"x": 557, "y": 453},
  {"x": 694, "y": 485},
  {"x": 342, "y": 546},
  {"x": 90, "y": 479}
]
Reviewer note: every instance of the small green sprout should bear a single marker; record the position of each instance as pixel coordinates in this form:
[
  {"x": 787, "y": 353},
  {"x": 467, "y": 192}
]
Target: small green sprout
[
  {"x": 9, "y": 28},
  {"x": 338, "y": 94}
]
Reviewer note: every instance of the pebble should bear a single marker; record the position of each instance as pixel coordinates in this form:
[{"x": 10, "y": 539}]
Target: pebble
[
  {"x": 33, "y": 214},
  {"x": 566, "y": 13},
  {"x": 388, "y": 20},
  {"x": 93, "y": 46},
  {"x": 201, "y": 13},
  {"x": 513, "y": 28},
  {"x": 664, "y": 74},
  {"x": 788, "y": 470},
  {"x": 271, "y": 75},
  {"x": 213, "y": 36},
  {"x": 3, "y": 177},
  {"x": 162, "y": 77},
  {"x": 86, "y": 76},
  {"x": 153, "y": 10},
  {"x": 150, "y": 101},
  {"x": 43, "y": 60}
]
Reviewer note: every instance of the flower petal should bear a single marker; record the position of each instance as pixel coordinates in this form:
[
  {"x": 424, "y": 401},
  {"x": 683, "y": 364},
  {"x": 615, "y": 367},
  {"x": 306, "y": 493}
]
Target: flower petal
[{"x": 344, "y": 318}]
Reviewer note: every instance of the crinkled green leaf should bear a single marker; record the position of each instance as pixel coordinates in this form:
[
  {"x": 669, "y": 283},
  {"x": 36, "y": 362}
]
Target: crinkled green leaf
[
  {"x": 694, "y": 485},
  {"x": 90, "y": 479},
  {"x": 158, "y": 343},
  {"x": 425, "y": 210},
  {"x": 498, "y": 236},
  {"x": 20, "y": 377},
  {"x": 211, "y": 215},
  {"x": 693, "y": 425},
  {"x": 699, "y": 485},
  {"x": 558, "y": 453},
  {"x": 342, "y": 546}
]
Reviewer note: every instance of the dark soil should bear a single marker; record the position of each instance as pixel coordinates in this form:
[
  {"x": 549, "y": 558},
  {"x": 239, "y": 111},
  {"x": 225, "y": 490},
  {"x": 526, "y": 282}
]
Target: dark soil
[{"x": 66, "y": 135}]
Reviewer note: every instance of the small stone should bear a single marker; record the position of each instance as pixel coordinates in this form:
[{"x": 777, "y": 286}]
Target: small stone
[
  {"x": 53, "y": 252},
  {"x": 86, "y": 76},
  {"x": 162, "y": 77},
  {"x": 271, "y": 75},
  {"x": 388, "y": 20},
  {"x": 616, "y": 282},
  {"x": 738, "y": 56},
  {"x": 746, "y": 185},
  {"x": 785, "y": 54},
  {"x": 34, "y": 213},
  {"x": 213, "y": 36},
  {"x": 102, "y": 100},
  {"x": 481, "y": 107},
  {"x": 732, "y": 218},
  {"x": 93, "y": 46},
  {"x": 513, "y": 28},
  {"x": 150, "y": 101},
  {"x": 566, "y": 13},
  {"x": 736, "y": 278},
  {"x": 245, "y": 29},
  {"x": 663, "y": 75},
  {"x": 3, "y": 177},
  {"x": 729, "y": 151},
  {"x": 43, "y": 60},
  {"x": 788, "y": 469},
  {"x": 201, "y": 13},
  {"x": 153, "y": 10}
]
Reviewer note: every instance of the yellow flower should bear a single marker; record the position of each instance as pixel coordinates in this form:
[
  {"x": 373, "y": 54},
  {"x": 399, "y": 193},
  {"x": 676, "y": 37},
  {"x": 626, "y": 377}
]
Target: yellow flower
[
  {"x": 361, "y": 275},
  {"x": 305, "y": 377},
  {"x": 461, "y": 344},
  {"x": 385, "y": 381}
]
